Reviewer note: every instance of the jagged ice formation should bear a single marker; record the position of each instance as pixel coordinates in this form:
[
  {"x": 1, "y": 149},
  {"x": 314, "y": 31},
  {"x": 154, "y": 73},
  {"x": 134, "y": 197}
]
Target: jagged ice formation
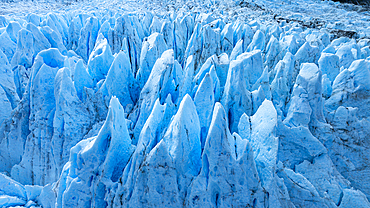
[{"x": 181, "y": 109}]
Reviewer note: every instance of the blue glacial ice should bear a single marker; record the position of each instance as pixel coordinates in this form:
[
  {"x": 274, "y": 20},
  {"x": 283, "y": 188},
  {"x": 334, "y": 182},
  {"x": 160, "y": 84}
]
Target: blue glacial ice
[{"x": 211, "y": 104}]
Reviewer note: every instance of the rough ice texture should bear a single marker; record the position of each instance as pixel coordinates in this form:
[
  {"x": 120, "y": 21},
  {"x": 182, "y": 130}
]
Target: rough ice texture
[
  {"x": 223, "y": 155},
  {"x": 182, "y": 109},
  {"x": 96, "y": 163}
]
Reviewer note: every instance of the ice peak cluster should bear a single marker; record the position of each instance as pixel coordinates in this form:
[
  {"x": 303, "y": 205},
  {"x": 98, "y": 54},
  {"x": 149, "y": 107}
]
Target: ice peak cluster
[{"x": 180, "y": 110}]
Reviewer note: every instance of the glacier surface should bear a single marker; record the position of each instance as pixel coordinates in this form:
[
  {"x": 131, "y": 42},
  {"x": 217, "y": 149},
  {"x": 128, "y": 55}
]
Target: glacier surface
[{"x": 184, "y": 104}]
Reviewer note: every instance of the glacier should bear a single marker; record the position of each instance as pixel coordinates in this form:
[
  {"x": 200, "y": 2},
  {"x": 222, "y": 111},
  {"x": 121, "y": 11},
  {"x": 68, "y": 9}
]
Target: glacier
[{"x": 184, "y": 104}]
